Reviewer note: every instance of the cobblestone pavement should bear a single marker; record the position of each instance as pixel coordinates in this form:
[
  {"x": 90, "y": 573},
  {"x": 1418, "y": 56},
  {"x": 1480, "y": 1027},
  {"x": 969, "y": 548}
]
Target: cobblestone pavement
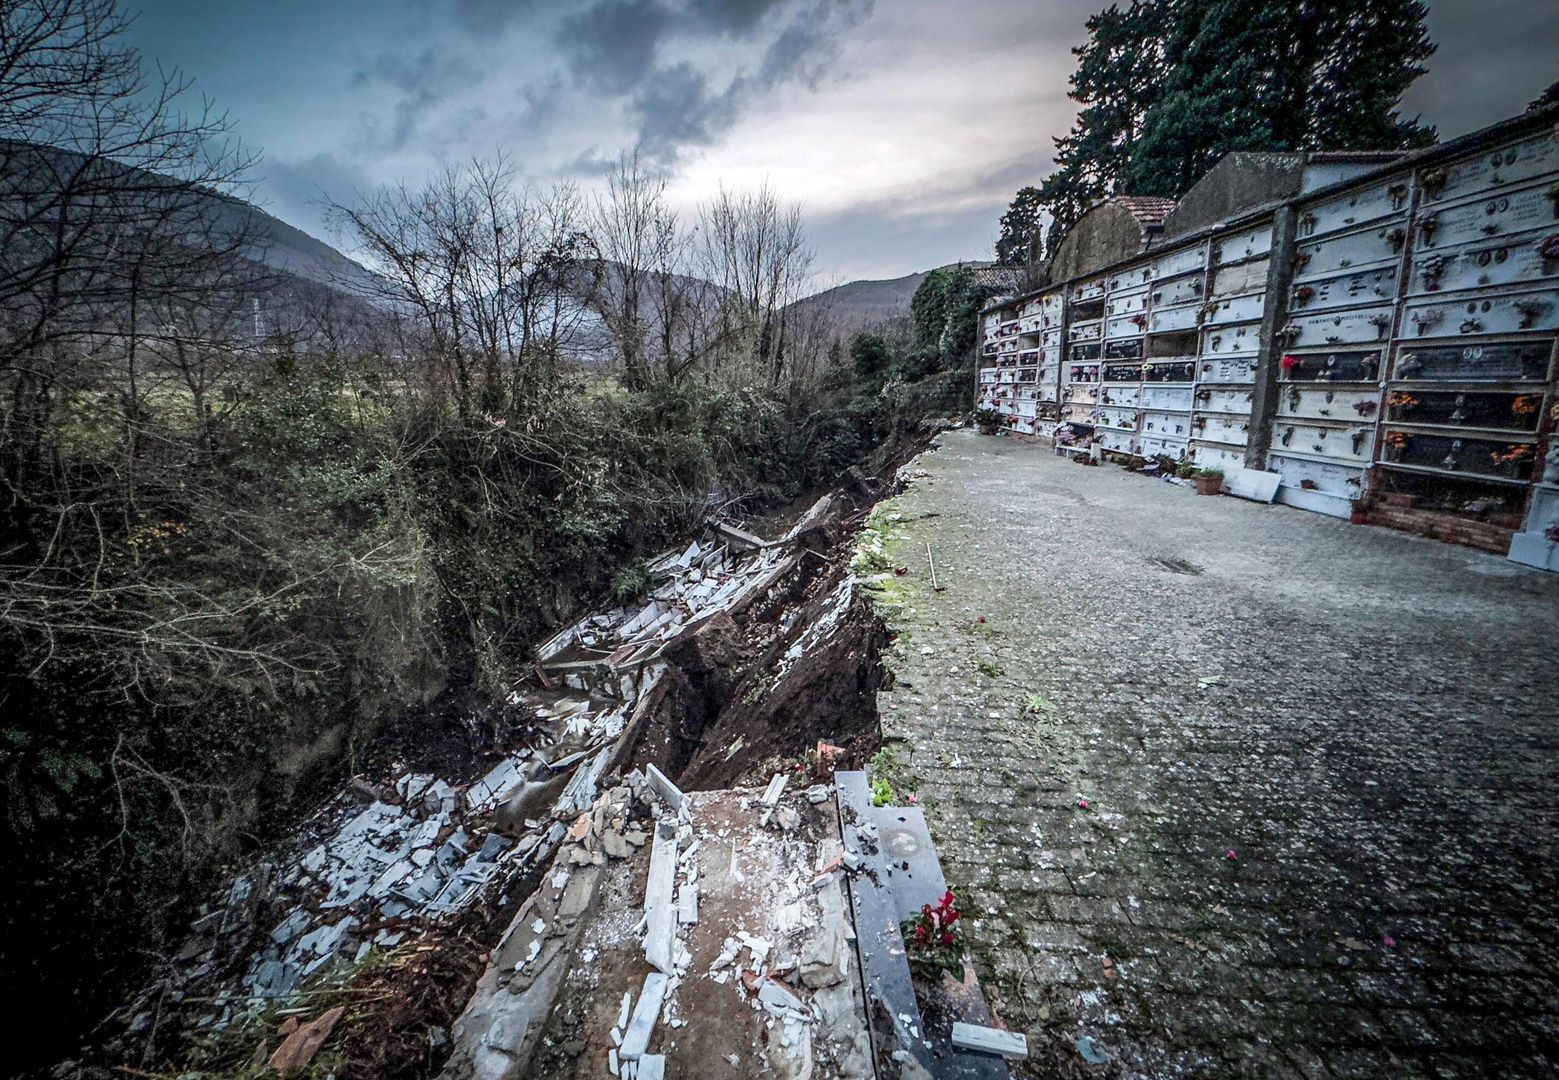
[{"x": 1379, "y": 756}]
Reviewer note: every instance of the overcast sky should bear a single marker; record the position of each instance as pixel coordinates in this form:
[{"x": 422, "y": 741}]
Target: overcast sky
[{"x": 903, "y": 126}]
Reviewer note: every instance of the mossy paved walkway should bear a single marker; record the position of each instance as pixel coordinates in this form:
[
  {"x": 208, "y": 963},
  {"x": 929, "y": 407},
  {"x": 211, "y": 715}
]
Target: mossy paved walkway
[{"x": 1319, "y": 765}]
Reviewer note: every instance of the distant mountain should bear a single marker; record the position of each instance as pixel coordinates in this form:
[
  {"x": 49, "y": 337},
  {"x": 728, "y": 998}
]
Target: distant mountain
[
  {"x": 309, "y": 271},
  {"x": 859, "y": 305},
  {"x": 290, "y": 250},
  {"x": 31, "y": 167}
]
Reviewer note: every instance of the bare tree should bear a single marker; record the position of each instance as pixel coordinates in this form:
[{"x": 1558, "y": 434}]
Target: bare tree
[
  {"x": 106, "y": 180},
  {"x": 754, "y": 248},
  {"x": 636, "y": 235},
  {"x": 114, "y": 231},
  {"x": 489, "y": 272}
]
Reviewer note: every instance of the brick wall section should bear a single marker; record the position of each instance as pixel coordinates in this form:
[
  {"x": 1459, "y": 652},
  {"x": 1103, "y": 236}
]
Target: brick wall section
[{"x": 1440, "y": 526}]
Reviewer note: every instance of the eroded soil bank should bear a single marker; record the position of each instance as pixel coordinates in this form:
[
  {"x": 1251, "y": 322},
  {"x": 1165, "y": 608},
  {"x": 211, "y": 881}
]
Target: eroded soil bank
[{"x": 754, "y": 696}]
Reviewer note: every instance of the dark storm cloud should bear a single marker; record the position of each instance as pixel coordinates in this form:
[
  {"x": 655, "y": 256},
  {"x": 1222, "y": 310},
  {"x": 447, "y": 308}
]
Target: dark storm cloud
[
  {"x": 590, "y": 164},
  {"x": 678, "y": 73},
  {"x": 679, "y": 106},
  {"x": 905, "y": 136},
  {"x": 809, "y": 44},
  {"x": 420, "y": 80},
  {"x": 614, "y": 42},
  {"x": 487, "y": 16},
  {"x": 731, "y": 16}
]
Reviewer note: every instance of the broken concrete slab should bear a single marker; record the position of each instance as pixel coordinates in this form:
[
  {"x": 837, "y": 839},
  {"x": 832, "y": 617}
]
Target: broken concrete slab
[
  {"x": 771, "y": 796},
  {"x": 687, "y": 904},
  {"x": 897, "y": 1027},
  {"x": 739, "y": 540},
  {"x": 1253, "y": 484},
  {"x": 646, "y": 1012},
  {"x": 989, "y": 1040},
  {"x": 659, "y": 910},
  {"x": 668, "y": 792}
]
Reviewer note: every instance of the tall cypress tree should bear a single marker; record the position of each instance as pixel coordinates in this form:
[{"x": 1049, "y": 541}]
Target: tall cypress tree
[
  {"x": 1117, "y": 79},
  {"x": 1019, "y": 226},
  {"x": 1219, "y": 94},
  {"x": 1167, "y": 87},
  {"x": 1279, "y": 75}
]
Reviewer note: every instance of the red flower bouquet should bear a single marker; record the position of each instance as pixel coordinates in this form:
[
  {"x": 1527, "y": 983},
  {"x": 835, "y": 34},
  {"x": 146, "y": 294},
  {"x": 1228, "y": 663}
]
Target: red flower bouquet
[{"x": 933, "y": 940}]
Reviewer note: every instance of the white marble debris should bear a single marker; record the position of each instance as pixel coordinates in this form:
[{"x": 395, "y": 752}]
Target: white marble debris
[
  {"x": 771, "y": 796},
  {"x": 990, "y": 1040},
  {"x": 646, "y": 1012},
  {"x": 660, "y": 911},
  {"x": 687, "y": 904},
  {"x": 668, "y": 792},
  {"x": 431, "y": 851}
]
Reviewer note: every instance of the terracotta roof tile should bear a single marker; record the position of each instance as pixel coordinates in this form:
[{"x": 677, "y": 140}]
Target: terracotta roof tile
[{"x": 1147, "y": 209}]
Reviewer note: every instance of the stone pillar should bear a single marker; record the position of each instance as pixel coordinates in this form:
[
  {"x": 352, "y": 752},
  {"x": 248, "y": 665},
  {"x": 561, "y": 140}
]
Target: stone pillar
[{"x": 1274, "y": 316}]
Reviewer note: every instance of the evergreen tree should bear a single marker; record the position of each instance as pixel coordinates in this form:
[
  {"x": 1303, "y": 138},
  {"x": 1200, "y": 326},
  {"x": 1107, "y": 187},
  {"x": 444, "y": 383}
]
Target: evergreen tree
[
  {"x": 1167, "y": 87},
  {"x": 869, "y": 355},
  {"x": 1117, "y": 80},
  {"x": 1217, "y": 95},
  {"x": 1373, "y": 51},
  {"x": 1278, "y": 75},
  {"x": 961, "y": 327},
  {"x": 946, "y": 310},
  {"x": 928, "y": 307},
  {"x": 1019, "y": 228}
]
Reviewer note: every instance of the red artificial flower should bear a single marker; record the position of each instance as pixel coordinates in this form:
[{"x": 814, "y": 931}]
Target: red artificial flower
[
  {"x": 1290, "y": 362},
  {"x": 947, "y": 937},
  {"x": 920, "y": 934}
]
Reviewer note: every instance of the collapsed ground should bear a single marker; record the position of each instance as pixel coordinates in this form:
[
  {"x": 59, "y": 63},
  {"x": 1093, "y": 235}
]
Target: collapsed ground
[{"x": 754, "y": 691}]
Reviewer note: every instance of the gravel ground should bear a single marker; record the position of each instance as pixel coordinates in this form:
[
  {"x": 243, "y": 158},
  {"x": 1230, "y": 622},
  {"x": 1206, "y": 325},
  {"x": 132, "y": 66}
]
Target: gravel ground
[{"x": 1318, "y": 760}]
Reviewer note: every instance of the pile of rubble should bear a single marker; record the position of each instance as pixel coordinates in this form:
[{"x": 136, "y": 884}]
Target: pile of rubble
[
  {"x": 706, "y": 578},
  {"x": 716, "y": 929},
  {"x": 428, "y": 849},
  {"x": 737, "y": 958}
]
